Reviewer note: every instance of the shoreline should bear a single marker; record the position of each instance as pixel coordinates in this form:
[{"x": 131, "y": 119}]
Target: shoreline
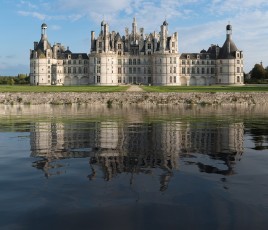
[{"x": 141, "y": 98}]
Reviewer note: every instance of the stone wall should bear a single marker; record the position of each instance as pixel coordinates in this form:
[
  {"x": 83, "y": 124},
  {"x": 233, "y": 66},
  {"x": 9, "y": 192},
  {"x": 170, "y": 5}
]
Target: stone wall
[{"x": 133, "y": 98}]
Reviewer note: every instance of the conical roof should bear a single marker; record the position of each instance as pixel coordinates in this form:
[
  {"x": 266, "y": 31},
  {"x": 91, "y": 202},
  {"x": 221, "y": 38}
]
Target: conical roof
[{"x": 228, "y": 49}]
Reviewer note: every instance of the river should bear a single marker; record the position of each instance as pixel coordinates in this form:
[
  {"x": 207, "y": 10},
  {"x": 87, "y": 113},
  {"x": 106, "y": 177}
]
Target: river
[{"x": 133, "y": 167}]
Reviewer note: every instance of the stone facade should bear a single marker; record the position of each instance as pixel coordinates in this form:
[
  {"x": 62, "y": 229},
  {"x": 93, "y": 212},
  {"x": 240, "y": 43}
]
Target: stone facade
[{"x": 135, "y": 58}]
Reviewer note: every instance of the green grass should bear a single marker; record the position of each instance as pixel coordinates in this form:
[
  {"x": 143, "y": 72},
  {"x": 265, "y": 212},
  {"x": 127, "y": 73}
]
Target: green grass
[
  {"x": 56, "y": 89},
  {"x": 205, "y": 89},
  {"x": 160, "y": 89}
]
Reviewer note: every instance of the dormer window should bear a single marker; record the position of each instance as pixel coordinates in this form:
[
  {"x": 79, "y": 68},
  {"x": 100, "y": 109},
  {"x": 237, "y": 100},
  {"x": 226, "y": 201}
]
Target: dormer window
[
  {"x": 198, "y": 57},
  {"x": 188, "y": 56}
]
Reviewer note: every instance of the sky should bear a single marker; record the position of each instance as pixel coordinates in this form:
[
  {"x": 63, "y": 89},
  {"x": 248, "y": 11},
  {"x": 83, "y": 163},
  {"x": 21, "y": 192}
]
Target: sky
[{"x": 199, "y": 24}]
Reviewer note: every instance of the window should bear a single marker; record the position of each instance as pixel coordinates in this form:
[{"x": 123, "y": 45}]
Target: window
[
  {"x": 170, "y": 79},
  {"x": 74, "y": 70},
  {"x": 212, "y": 70},
  {"x": 188, "y": 70},
  {"x": 119, "y": 70},
  {"x": 130, "y": 61},
  {"x": 170, "y": 61},
  {"x": 197, "y": 70},
  {"x": 175, "y": 70},
  {"x": 98, "y": 69},
  {"x": 173, "y": 44},
  {"x": 119, "y": 46},
  {"x": 69, "y": 70},
  {"x": 238, "y": 69},
  {"x": 100, "y": 44},
  {"x": 130, "y": 70},
  {"x": 238, "y": 61},
  {"x": 149, "y": 46},
  {"x": 119, "y": 61},
  {"x": 134, "y": 61},
  {"x": 139, "y": 61},
  {"x": 174, "y": 79},
  {"x": 203, "y": 70},
  {"x": 119, "y": 79},
  {"x": 98, "y": 79},
  {"x": 238, "y": 79},
  {"x": 74, "y": 62},
  {"x": 183, "y": 62},
  {"x": 193, "y": 70},
  {"x": 183, "y": 70}
]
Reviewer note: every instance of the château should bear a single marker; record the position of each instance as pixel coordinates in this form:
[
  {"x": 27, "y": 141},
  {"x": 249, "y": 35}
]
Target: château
[{"x": 135, "y": 58}]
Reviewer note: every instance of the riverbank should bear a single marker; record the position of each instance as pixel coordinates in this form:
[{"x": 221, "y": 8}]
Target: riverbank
[{"x": 121, "y": 98}]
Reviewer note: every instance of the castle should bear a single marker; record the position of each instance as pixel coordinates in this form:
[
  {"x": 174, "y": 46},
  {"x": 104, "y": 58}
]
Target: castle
[{"x": 135, "y": 58}]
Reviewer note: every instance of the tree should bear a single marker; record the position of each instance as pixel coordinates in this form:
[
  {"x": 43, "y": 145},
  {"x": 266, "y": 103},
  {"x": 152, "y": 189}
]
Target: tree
[{"x": 258, "y": 72}]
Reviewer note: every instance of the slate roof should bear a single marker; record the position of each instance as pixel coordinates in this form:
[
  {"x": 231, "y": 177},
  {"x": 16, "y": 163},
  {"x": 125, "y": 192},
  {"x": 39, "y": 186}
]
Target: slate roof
[{"x": 224, "y": 51}]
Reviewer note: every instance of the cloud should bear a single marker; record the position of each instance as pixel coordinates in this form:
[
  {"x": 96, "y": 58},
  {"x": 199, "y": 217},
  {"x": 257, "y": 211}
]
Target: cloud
[
  {"x": 27, "y": 4},
  {"x": 236, "y": 6},
  {"x": 33, "y": 14},
  {"x": 55, "y": 27},
  {"x": 10, "y": 56}
]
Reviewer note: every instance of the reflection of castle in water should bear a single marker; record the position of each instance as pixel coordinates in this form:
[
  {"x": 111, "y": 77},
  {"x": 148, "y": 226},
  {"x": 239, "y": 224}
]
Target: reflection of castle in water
[{"x": 137, "y": 147}]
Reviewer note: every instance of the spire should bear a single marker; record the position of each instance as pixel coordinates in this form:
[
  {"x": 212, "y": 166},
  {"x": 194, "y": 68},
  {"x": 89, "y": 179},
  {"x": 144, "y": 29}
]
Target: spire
[{"x": 134, "y": 26}]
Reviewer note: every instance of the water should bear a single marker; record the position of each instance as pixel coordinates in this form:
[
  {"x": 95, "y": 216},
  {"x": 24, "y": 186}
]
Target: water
[{"x": 84, "y": 167}]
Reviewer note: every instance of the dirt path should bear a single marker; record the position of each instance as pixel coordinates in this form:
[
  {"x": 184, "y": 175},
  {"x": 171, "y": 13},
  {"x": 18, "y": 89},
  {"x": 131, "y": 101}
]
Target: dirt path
[{"x": 135, "y": 88}]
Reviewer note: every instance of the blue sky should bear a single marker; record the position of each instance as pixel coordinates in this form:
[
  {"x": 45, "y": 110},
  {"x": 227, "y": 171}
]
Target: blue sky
[{"x": 199, "y": 23}]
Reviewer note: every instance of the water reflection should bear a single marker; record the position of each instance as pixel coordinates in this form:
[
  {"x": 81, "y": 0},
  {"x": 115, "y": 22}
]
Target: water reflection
[{"x": 118, "y": 147}]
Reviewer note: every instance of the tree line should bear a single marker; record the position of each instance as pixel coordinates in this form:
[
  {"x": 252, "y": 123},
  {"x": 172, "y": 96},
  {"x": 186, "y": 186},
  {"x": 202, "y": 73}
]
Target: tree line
[{"x": 21, "y": 79}]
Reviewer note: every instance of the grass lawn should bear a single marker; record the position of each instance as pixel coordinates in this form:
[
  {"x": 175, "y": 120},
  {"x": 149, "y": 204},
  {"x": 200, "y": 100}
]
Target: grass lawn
[
  {"x": 206, "y": 89},
  {"x": 160, "y": 89},
  {"x": 41, "y": 89}
]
